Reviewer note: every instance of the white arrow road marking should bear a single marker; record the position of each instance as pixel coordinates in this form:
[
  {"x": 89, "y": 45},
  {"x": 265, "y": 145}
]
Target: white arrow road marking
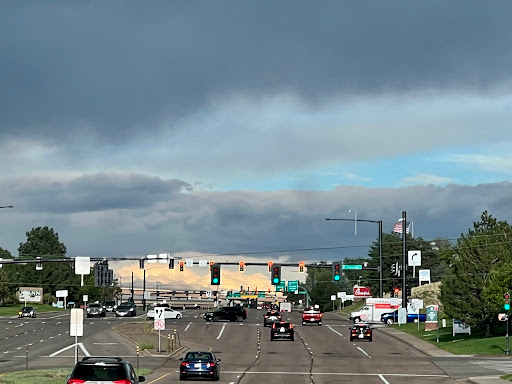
[
  {"x": 221, "y": 330},
  {"x": 72, "y": 346}
]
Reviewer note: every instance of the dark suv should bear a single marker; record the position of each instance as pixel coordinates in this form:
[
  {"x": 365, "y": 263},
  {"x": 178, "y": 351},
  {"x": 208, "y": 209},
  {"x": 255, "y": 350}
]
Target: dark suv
[
  {"x": 104, "y": 370},
  {"x": 226, "y": 313}
]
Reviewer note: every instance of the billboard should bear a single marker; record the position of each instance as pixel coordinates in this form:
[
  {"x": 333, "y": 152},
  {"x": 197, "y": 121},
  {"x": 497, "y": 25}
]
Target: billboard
[{"x": 30, "y": 295}]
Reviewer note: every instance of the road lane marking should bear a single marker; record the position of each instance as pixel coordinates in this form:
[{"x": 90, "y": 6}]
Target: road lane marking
[
  {"x": 160, "y": 378},
  {"x": 408, "y": 375},
  {"x": 221, "y": 330},
  {"x": 188, "y": 326},
  {"x": 335, "y": 331},
  {"x": 69, "y": 347},
  {"x": 362, "y": 350},
  {"x": 383, "y": 379}
]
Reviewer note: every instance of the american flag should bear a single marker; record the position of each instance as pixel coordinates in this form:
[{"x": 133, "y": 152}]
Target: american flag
[{"x": 398, "y": 227}]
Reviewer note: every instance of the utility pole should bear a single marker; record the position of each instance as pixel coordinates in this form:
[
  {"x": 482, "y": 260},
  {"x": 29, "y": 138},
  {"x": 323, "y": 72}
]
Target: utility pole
[{"x": 132, "y": 289}]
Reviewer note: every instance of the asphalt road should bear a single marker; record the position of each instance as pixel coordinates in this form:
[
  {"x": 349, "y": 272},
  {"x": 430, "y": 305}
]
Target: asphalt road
[{"x": 319, "y": 354}]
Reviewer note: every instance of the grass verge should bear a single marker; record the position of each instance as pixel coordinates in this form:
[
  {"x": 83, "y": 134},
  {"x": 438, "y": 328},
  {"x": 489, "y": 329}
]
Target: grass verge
[
  {"x": 46, "y": 376},
  {"x": 12, "y": 309},
  {"x": 460, "y": 344}
]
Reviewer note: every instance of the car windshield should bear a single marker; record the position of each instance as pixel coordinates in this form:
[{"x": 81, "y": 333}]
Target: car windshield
[
  {"x": 99, "y": 372},
  {"x": 110, "y": 303},
  {"x": 27, "y": 309},
  {"x": 94, "y": 306},
  {"x": 198, "y": 356}
]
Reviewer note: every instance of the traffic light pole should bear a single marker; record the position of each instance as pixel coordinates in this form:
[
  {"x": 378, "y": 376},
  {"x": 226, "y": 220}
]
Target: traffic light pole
[
  {"x": 507, "y": 351},
  {"x": 381, "y": 289},
  {"x": 404, "y": 261}
]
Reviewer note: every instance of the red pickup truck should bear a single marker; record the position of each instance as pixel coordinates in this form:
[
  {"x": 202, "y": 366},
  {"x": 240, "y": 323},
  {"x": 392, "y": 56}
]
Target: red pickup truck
[{"x": 312, "y": 315}]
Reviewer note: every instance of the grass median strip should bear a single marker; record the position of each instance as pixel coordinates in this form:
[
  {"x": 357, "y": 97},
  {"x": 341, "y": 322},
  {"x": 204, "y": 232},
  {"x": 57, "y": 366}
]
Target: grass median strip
[{"x": 46, "y": 376}]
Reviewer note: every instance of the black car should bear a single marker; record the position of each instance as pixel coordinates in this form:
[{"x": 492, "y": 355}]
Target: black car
[
  {"x": 110, "y": 305},
  {"x": 95, "y": 310},
  {"x": 126, "y": 309},
  {"x": 226, "y": 313},
  {"x": 27, "y": 312},
  {"x": 200, "y": 364},
  {"x": 271, "y": 317},
  {"x": 361, "y": 332},
  {"x": 105, "y": 370},
  {"x": 282, "y": 329}
]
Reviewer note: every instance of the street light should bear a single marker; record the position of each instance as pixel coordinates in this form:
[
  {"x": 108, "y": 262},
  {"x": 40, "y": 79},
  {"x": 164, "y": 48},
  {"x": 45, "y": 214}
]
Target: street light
[
  {"x": 7, "y": 206},
  {"x": 380, "y": 247},
  {"x": 355, "y": 219}
]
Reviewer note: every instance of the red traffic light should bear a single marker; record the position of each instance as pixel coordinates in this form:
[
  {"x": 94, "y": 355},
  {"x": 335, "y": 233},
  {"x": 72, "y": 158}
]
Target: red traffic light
[
  {"x": 506, "y": 296},
  {"x": 397, "y": 290}
]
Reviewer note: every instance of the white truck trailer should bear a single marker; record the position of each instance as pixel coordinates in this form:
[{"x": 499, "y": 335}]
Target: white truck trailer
[
  {"x": 374, "y": 308},
  {"x": 285, "y": 307}
]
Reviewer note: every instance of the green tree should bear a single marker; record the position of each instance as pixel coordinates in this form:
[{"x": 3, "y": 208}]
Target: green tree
[
  {"x": 5, "y": 289},
  {"x": 470, "y": 292},
  {"x": 392, "y": 253},
  {"x": 320, "y": 286},
  {"x": 56, "y": 275}
]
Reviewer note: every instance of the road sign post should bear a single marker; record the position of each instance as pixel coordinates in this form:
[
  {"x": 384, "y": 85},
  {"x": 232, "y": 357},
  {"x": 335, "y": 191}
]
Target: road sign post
[{"x": 159, "y": 322}]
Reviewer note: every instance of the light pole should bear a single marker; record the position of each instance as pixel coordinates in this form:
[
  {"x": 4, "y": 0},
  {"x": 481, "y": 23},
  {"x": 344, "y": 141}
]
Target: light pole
[
  {"x": 381, "y": 291},
  {"x": 355, "y": 219}
]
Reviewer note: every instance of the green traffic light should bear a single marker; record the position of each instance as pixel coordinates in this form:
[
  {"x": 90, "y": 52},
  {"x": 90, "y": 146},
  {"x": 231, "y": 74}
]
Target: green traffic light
[
  {"x": 276, "y": 280},
  {"x": 337, "y": 277},
  {"x": 507, "y": 307},
  {"x": 215, "y": 280}
]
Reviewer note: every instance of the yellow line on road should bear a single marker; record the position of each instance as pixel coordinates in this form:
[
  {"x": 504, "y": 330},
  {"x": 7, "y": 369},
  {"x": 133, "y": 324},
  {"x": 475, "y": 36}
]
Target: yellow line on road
[{"x": 160, "y": 378}]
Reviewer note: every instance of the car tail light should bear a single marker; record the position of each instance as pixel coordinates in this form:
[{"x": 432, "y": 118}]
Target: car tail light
[
  {"x": 273, "y": 325},
  {"x": 291, "y": 326},
  {"x": 124, "y": 381},
  {"x": 75, "y": 381},
  {"x": 210, "y": 365}
]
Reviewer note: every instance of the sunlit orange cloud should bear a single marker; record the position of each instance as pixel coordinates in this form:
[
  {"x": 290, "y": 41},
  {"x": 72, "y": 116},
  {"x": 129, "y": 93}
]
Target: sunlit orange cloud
[{"x": 254, "y": 277}]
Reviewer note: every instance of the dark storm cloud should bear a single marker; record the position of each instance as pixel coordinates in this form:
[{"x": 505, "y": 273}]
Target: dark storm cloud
[
  {"x": 99, "y": 192},
  {"x": 116, "y": 68},
  {"x": 137, "y": 215}
]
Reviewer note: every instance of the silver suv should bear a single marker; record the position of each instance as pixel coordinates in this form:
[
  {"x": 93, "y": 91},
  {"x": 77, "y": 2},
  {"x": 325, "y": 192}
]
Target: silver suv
[
  {"x": 95, "y": 310},
  {"x": 105, "y": 370}
]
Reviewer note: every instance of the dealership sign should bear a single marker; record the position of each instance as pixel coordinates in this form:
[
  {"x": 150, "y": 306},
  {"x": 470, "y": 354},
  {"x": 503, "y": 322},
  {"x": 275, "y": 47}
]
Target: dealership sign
[
  {"x": 362, "y": 292},
  {"x": 30, "y": 295}
]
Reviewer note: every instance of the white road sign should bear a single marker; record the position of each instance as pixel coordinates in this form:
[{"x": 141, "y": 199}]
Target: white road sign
[
  {"x": 414, "y": 258},
  {"x": 82, "y": 265},
  {"x": 76, "y": 326},
  {"x": 189, "y": 263},
  {"x": 159, "y": 313},
  {"x": 159, "y": 324},
  {"x": 203, "y": 263}
]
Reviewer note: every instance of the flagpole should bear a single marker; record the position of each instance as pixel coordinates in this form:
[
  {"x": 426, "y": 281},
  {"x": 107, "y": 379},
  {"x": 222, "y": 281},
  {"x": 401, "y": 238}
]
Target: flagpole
[{"x": 404, "y": 264}]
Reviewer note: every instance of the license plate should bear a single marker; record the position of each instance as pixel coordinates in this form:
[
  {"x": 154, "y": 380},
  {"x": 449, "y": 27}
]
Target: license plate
[
  {"x": 197, "y": 365},
  {"x": 361, "y": 336},
  {"x": 311, "y": 319}
]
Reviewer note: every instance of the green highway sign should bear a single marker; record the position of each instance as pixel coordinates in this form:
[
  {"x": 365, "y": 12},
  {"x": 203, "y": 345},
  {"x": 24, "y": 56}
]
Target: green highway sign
[
  {"x": 351, "y": 266},
  {"x": 293, "y": 285},
  {"x": 281, "y": 286}
]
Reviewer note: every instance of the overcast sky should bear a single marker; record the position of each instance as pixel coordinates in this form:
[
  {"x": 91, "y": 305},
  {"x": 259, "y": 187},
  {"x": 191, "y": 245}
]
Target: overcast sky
[{"x": 207, "y": 128}]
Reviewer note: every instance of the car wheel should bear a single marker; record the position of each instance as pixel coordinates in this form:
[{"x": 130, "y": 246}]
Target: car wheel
[
  {"x": 303, "y": 323},
  {"x": 389, "y": 321},
  {"x": 370, "y": 339},
  {"x": 178, "y": 316},
  {"x": 88, "y": 316},
  {"x": 183, "y": 378},
  {"x": 292, "y": 338},
  {"x": 239, "y": 319},
  {"x": 319, "y": 323},
  {"x": 351, "y": 339},
  {"x": 216, "y": 378},
  {"x": 271, "y": 337},
  {"x": 356, "y": 319}
]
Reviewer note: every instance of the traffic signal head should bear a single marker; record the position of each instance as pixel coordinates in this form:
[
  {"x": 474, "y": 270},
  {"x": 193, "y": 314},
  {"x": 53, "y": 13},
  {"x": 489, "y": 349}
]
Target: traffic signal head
[
  {"x": 275, "y": 278},
  {"x": 336, "y": 271},
  {"x": 171, "y": 263},
  {"x": 211, "y": 263},
  {"x": 215, "y": 275},
  {"x": 141, "y": 263},
  {"x": 506, "y": 298},
  {"x": 241, "y": 266},
  {"x": 301, "y": 267},
  {"x": 270, "y": 263},
  {"x": 182, "y": 264},
  {"x": 396, "y": 291}
]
